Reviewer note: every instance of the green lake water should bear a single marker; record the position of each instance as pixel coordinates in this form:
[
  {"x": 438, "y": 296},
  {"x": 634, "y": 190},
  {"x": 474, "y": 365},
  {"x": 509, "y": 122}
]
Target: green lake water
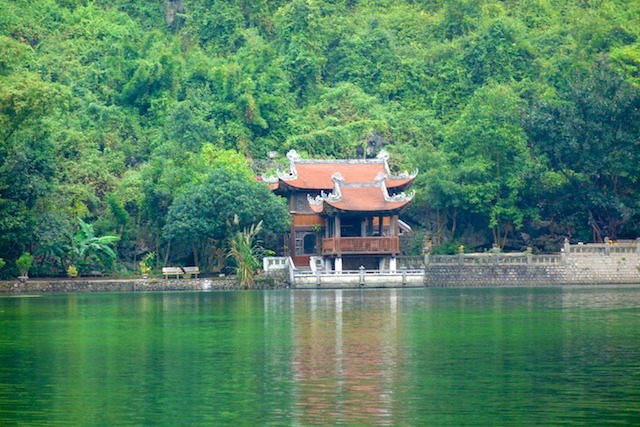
[{"x": 423, "y": 357}]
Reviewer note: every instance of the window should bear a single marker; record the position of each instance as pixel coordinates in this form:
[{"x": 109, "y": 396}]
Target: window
[
  {"x": 301, "y": 204},
  {"x": 305, "y": 243}
]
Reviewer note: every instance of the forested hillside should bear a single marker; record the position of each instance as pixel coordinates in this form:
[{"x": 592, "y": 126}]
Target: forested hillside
[{"x": 120, "y": 117}]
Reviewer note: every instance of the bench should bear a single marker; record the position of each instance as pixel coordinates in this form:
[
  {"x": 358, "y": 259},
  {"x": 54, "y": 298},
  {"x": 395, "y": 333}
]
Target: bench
[
  {"x": 191, "y": 270},
  {"x": 94, "y": 274},
  {"x": 170, "y": 271}
]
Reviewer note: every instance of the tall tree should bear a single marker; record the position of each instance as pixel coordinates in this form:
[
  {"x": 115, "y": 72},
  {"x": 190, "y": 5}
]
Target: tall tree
[
  {"x": 488, "y": 151},
  {"x": 203, "y": 213},
  {"x": 590, "y": 136}
]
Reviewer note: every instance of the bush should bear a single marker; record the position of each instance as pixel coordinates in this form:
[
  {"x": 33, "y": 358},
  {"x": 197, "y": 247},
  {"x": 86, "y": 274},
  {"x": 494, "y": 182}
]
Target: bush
[
  {"x": 72, "y": 271},
  {"x": 24, "y": 263}
]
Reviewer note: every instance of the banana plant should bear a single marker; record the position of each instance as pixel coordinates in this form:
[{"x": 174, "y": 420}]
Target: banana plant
[{"x": 86, "y": 247}]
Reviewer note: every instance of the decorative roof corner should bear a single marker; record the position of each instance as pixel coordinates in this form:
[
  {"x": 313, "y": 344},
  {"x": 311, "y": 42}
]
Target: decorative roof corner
[
  {"x": 336, "y": 194},
  {"x": 398, "y": 198},
  {"x": 333, "y": 197},
  {"x": 270, "y": 179},
  {"x": 384, "y": 156},
  {"x": 406, "y": 175},
  {"x": 315, "y": 201},
  {"x": 293, "y": 156}
]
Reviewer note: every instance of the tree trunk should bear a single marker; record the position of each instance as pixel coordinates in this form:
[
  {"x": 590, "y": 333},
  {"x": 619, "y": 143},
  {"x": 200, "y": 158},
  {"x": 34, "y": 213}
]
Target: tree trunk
[
  {"x": 157, "y": 239},
  {"x": 195, "y": 251},
  {"x": 166, "y": 255},
  {"x": 504, "y": 239},
  {"x": 454, "y": 223}
]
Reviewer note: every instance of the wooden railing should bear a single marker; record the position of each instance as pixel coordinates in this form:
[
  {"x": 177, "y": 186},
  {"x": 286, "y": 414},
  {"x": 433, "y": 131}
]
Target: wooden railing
[{"x": 361, "y": 245}]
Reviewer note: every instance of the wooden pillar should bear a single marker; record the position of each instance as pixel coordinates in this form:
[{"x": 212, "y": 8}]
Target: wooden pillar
[
  {"x": 393, "y": 225},
  {"x": 380, "y": 225},
  {"x": 336, "y": 225}
]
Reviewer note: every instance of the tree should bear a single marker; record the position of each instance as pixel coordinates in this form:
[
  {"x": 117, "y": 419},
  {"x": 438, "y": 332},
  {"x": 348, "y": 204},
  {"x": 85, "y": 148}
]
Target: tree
[
  {"x": 203, "y": 213},
  {"x": 589, "y": 135},
  {"x": 488, "y": 152},
  {"x": 28, "y": 105}
]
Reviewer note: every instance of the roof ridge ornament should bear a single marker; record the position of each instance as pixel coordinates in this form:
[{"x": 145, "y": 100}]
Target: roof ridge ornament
[
  {"x": 336, "y": 194},
  {"x": 383, "y": 155},
  {"x": 337, "y": 177},
  {"x": 381, "y": 177},
  {"x": 293, "y": 155}
]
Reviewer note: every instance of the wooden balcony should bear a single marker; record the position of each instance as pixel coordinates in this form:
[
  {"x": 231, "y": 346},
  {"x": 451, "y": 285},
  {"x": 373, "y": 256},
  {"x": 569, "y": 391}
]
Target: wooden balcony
[{"x": 360, "y": 245}]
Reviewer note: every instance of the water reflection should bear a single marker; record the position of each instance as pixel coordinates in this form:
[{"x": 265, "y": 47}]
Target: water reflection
[
  {"x": 345, "y": 361},
  {"x": 534, "y": 356}
]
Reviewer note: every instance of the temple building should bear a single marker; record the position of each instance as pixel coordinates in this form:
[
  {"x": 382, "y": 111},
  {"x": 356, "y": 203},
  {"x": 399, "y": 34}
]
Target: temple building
[{"x": 344, "y": 212}]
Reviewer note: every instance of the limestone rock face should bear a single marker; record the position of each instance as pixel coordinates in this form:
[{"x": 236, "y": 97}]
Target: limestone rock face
[{"x": 171, "y": 10}]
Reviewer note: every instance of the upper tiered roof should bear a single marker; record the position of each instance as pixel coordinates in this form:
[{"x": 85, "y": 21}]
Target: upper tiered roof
[
  {"x": 315, "y": 174},
  {"x": 353, "y": 185}
]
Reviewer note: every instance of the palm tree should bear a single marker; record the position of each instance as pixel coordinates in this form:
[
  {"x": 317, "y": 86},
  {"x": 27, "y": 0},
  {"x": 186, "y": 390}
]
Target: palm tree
[{"x": 244, "y": 249}]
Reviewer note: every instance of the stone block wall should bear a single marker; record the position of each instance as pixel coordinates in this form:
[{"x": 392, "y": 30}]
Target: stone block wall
[
  {"x": 577, "y": 270},
  {"x": 105, "y": 285}
]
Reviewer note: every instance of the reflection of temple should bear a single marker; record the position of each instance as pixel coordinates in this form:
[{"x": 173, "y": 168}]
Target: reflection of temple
[
  {"x": 345, "y": 211},
  {"x": 346, "y": 358}
]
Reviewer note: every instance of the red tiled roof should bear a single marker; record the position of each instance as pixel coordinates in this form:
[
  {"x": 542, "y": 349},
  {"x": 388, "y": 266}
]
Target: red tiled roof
[
  {"x": 361, "y": 199},
  {"x": 365, "y": 199},
  {"x": 318, "y": 175}
]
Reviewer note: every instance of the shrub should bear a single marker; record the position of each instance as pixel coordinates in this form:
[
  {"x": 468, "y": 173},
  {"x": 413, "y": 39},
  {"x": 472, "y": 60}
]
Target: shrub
[{"x": 24, "y": 263}]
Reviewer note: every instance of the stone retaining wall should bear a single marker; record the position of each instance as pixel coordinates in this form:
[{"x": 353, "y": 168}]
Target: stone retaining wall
[
  {"x": 576, "y": 270},
  {"x": 583, "y": 270},
  {"x": 105, "y": 285}
]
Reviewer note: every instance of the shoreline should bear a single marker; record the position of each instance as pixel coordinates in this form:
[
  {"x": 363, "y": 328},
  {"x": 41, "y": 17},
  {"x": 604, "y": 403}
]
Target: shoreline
[
  {"x": 101, "y": 285},
  {"x": 89, "y": 285}
]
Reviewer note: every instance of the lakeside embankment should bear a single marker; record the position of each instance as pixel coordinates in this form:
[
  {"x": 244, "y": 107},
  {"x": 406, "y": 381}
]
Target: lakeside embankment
[
  {"x": 43, "y": 285},
  {"x": 593, "y": 264},
  {"x": 585, "y": 271},
  {"x": 608, "y": 263}
]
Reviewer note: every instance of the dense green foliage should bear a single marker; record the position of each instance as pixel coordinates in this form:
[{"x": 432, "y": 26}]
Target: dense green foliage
[{"x": 521, "y": 116}]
